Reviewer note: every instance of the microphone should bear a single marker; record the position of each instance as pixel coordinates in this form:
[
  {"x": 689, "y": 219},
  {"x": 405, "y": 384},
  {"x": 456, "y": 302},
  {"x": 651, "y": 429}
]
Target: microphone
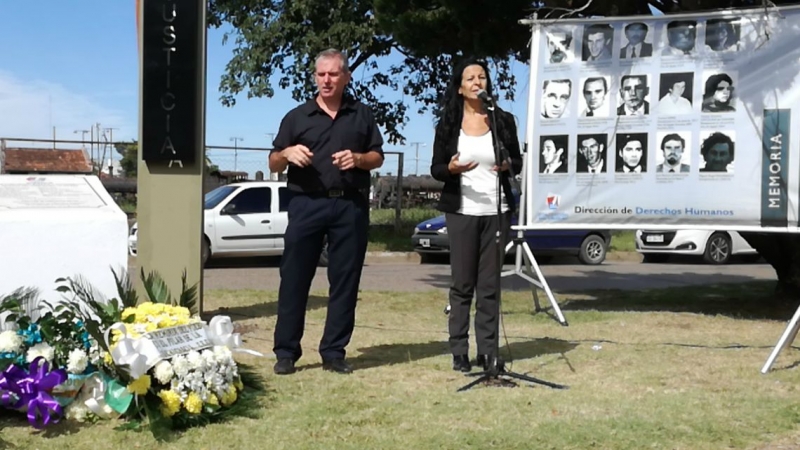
[{"x": 483, "y": 95}]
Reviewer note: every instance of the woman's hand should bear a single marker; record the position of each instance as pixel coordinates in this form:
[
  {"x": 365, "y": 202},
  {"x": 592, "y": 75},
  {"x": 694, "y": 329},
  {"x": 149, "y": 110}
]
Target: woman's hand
[
  {"x": 503, "y": 167},
  {"x": 457, "y": 168}
]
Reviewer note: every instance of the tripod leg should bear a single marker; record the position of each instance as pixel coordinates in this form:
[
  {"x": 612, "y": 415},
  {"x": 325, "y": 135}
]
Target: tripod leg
[
  {"x": 545, "y": 286},
  {"x": 533, "y": 380},
  {"x": 786, "y": 339},
  {"x": 481, "y": 379}
]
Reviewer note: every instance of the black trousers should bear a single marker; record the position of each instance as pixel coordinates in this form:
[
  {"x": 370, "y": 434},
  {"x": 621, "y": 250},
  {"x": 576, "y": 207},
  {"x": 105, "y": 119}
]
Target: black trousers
[
  {"x": 345, "y": 221},
  {"x": 473, "y": 262}
]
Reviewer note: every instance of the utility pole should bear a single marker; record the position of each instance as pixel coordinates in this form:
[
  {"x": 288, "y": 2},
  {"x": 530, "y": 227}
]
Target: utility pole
[
  {"x": 235, "y": 141},
  {"x": 416, "y": 157},
  {"x": 83, "y": 136},
  {"x": 110, "y": 141}
]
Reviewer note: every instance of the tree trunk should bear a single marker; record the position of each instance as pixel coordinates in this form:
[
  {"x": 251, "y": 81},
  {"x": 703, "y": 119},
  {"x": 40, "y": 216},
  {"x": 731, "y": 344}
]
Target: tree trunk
[{"x": 782, "y": 251}]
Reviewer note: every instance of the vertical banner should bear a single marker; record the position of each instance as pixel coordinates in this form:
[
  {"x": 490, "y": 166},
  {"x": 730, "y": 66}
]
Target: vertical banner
[{"x": 775, "y": 167}]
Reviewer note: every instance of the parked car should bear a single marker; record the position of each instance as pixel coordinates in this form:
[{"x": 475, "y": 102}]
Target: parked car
[
  {"x": 242, "y": 219},
  {"x": 716, "y": 247},
  {"x": 590, "y": 246}
]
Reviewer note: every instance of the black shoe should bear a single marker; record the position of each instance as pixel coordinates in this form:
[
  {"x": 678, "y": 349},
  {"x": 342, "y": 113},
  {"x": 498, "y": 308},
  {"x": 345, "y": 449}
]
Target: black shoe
[
  {"x": 481, "y": 361},
  {"x": 461, "y": 363},
  {"x": 338, "y": 365},
  {"x": 284, "y": 366}
]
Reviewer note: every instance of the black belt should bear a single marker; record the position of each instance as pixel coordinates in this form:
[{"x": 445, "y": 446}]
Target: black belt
[{"x": 337, "y": 193}]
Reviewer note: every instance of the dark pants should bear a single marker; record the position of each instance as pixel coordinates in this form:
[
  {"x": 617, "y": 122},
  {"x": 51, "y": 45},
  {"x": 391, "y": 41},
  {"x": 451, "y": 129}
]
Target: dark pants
[
  {"x": 473, "y": 261},
  {"x": 345, "y": 221}
]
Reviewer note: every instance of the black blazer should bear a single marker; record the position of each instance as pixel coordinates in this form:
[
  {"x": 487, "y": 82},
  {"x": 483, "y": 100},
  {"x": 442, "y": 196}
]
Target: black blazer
[{"x": 444, "y": 147}]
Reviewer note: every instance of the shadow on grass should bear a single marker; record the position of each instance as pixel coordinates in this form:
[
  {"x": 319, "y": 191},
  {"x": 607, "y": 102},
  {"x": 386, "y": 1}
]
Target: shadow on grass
[
  {"x": 259, "y": 310},
  {"x": 392, "y": 354},
  {"x": 751, "y": 301}
]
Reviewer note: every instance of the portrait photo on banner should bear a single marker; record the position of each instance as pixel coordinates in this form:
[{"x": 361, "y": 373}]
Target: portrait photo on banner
[
  {"x": 631, "y": 155},
  {"x": 594, "y": 100},
  {"x": 560, "y": 44},
  {"x": 556, "y": 96},
  {"x": 723, "y": 35},
  {"x": 597, "y": 43},
  {"x": 675, "y": 93},
  {"x": 592, "y": 153},
  {"x": 717, "y": 151},
  {"x": 634, "y": 95},
  {"x": 553, "y": 154},
  {"x": 673, "y": 151},
  {"x": 719, "y": 91},
  {"x": 679, "y": 38},
  {"x": 636, "y": 41}
]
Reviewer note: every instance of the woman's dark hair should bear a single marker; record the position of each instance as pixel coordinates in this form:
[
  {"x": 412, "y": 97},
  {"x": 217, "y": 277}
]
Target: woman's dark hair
[
  {"x": 713, "y": 81},
  {"x": 451, "y": 111}
]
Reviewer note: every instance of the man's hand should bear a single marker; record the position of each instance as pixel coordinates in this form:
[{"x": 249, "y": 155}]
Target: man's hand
[
  {"x": 346, "y": 159},
  {"x": 299, "y": 155},
  {"x": 455, "y": 167}
]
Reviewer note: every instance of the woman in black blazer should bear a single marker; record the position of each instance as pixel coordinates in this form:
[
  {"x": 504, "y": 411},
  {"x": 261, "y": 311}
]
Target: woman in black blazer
[{"x": 463, "y": 158}]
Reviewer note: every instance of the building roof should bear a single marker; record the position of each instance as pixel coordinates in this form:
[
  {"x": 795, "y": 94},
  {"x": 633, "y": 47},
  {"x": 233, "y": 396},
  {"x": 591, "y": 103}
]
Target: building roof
[{"x": 46, "y": 161}]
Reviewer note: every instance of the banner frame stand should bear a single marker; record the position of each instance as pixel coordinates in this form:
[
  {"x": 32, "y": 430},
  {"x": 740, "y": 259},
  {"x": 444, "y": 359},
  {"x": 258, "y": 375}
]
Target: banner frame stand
[
  {"x": 523, "y": 252},
  {"x": 786, "y": 339},
  {"x": 522, "y": 249}
]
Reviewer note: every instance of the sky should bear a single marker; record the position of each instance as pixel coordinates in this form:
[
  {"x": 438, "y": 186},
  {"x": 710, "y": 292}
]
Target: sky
[{"x": 74, "y": 65}]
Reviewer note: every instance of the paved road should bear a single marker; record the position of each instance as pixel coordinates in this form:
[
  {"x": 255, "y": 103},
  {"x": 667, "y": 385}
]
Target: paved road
[{"x": 562, "y": 277}]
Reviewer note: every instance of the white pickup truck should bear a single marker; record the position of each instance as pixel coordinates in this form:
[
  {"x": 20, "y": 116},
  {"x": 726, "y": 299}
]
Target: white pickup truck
[{"x": 243, "y": 219}]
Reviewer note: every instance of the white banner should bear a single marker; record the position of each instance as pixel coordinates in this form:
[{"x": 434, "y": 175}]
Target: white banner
[{"x": 665, "y": 122}]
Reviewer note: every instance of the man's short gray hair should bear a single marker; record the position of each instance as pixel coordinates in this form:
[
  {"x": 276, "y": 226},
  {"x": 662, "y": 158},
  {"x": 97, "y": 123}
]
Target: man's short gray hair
[{"x": 333, "y": 53}]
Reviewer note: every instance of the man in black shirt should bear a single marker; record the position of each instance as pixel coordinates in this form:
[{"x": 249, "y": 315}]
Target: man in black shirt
[{"x": 330, "y": 144}]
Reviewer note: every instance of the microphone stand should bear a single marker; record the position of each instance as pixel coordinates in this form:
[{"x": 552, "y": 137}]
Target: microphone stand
[{"x": 495, "y": 368}]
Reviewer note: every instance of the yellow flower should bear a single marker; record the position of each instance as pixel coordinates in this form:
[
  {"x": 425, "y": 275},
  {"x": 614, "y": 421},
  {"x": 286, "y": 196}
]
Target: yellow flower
[
  {"x": 140, "y": 385},
  {"x": 229, "y": 397},
  {"x": 108, "y": 359},
  {"x": 172, "y": 402},
  {"x": 238, "y": 383},
  {"x": 193, "y": 403},
  {"x": 213, "y": 400}
]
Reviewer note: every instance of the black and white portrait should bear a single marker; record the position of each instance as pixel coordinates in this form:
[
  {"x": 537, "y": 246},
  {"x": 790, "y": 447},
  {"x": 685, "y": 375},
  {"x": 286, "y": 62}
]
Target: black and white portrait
[
  {"x": 634, "y": 93},
  {"x": 681, "y": 38},
  {"x": 723, "y": 35},
  {"x": 674, "y": 151},
  {"x": 637, "y": 41},
  {"x": 719, "y": 93},
  {"x": 559, "y": 45},
  {"x": 597, "y": 41},
  {"x": 553, "y": 154},
  {"x": 592, "y": 149},
  {"x": 717, "y": 151},
  {"x": 555, "y": 98},
  {"x": 675, "y": 93},
  {"x": 631, "y": 152},
  {"x": 594, "y": 99}
]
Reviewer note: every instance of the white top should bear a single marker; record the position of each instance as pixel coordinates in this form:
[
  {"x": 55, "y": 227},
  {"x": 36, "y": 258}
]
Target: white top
[{"x": 479, "y": 185}]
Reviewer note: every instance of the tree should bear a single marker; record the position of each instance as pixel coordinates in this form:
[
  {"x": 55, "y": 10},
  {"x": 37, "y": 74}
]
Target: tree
[
  {"x": 128, "y": 161},
  {"x": 277, "y": 40},
  {"x": 129, "y": 153}
]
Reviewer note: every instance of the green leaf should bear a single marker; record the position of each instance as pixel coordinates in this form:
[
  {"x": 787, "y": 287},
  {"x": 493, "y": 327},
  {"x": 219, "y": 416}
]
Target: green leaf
[
  {"x": 155, "y": 287},
  {"x": 188, "y": 297},
  {"x": 125, "y": 289}
]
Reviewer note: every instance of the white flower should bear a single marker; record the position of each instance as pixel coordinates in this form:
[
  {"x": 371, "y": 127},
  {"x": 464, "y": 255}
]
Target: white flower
[
  {"x": 77, "y": 361},
  {"x": 10, "y": 341},
  {"x": 195, "y": 360},
  {"x": 140, "y": 328},
  {"x": 41, "y": 349},
  {"x": 76, "y": 411},
  {"x": 107, "y": 410},
  {"x": 180, "y": 365},
  {"x": 163, "y": 372}
]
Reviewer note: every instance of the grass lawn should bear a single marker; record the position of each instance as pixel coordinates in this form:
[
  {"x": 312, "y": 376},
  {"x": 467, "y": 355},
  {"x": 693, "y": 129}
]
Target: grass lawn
[{"x": 662, "y": 369}]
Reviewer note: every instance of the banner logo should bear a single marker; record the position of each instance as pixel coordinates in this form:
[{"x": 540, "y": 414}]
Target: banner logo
[{"x": 553, "y": 201}]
